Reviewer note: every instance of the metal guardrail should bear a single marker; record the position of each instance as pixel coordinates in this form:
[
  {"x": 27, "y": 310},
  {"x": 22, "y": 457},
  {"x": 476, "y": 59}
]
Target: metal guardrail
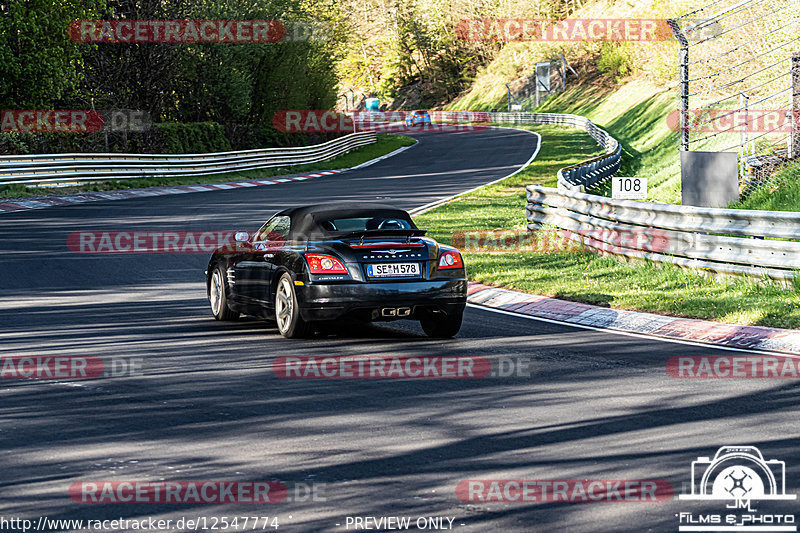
[
  {"x": 582, "y": 176},
  {"x": 722, "y": 241},
  {"x": 56, "y": 168}
]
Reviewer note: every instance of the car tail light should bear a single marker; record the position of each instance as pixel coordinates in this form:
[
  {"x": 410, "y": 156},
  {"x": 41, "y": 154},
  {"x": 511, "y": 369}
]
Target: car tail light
[
  {"x": 450, "y": 259},
  {"x": 324, "y": 264}
]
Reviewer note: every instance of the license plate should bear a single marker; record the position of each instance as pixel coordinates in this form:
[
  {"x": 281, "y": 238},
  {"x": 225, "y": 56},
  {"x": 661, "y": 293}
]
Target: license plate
[{"x": 391, "y": 270}]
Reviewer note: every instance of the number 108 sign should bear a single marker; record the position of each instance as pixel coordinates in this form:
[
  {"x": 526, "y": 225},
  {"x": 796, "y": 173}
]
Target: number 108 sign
[{"x": 629, "y": 188}]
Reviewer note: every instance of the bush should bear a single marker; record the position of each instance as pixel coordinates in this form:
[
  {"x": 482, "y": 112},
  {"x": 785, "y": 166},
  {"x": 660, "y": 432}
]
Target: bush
[
  {"x": 247, "y": 137},
  {"x": 16, "y": 143},
  {"x": 616, "y": 60},
  {"x": 192, "y": 138},
  {"x": 161, "y": 138}
]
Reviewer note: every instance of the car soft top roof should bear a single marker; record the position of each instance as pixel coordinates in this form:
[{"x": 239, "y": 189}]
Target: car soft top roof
[{"x": 306, "y": 219}]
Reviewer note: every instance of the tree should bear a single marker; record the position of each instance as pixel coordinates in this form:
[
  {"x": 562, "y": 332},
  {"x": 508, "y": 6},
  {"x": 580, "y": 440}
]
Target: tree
[{"x": 40, "y": 66}]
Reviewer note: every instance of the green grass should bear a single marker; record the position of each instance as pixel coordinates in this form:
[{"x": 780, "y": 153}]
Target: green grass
[
  {"x": 636, "y": 114},
  {"x": 385, "y": 143},
  {"x": 585, "y": 277},
  {"x": 782, "y": 195},
  {"x": 561, "y": 147}
]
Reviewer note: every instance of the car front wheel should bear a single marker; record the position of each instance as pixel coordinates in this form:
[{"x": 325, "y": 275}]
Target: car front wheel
[{"x": 287, "y": 313}]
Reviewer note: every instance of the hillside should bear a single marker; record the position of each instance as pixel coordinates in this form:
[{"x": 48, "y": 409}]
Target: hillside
[
  {"x": 628, "y": 87},
  {"x": 635, "y": 114}
]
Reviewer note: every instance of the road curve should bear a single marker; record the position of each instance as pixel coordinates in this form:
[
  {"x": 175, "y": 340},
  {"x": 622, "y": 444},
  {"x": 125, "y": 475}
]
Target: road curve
[{"x": 592, "y": 405}]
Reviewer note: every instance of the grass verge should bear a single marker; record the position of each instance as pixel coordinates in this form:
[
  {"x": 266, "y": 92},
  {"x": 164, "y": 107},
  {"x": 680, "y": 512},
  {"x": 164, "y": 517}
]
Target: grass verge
[
  {"x": 586, "y": 277},
  {"x": 385, "y": 144},
  {"x": 782, "y": 195}
]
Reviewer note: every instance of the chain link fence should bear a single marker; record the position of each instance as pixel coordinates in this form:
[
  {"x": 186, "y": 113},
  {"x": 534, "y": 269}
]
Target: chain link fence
[
  {"x": 549, "y": 78},
  {"x": 739, "y": 89}
]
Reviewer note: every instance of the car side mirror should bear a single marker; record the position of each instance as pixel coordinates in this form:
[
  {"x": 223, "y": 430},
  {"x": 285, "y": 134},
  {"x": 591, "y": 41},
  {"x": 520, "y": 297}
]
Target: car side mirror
[{"x": 241, "y": 236}]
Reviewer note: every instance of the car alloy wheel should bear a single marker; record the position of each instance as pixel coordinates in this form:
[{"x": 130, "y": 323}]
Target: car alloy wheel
[
  {"x": 218, "y": 297},
  {"x": 215, "y": 292},
  {"x": 287, "y": 311},
  {"x": 284, "y": 304}
]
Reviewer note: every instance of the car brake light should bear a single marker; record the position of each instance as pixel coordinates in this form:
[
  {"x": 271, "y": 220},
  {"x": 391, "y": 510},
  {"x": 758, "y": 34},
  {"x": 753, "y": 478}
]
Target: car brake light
[
  {"x": 324, "y": 264},
  {"x": 450, "y": 260}
]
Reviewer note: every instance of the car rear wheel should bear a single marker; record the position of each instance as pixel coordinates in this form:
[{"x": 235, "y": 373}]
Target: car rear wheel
[
  {"x": 442, "y": 327},
  {"x": 218, "y": 298},
  {"x": 287, "y": 313}
]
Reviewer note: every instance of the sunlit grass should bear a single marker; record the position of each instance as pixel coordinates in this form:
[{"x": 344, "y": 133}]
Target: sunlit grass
[{"x": 782, "y": 195}]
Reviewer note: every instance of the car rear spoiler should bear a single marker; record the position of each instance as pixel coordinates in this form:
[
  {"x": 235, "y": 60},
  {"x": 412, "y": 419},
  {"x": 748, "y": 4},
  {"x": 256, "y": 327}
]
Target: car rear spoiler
[{"x": 365, "y": 234}]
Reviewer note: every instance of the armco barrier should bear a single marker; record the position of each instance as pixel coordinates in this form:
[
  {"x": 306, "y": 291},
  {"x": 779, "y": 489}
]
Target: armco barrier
[
  {"x": 55, "y": 168},
  {"x": 722, "y": 241}
]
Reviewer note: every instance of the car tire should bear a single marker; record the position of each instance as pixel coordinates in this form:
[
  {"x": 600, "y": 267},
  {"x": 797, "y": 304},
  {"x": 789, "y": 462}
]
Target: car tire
[
  {"x": 442, "y": 327},
  {"x": 287, "y": 312},
  {"x": 218, "y": 296}
]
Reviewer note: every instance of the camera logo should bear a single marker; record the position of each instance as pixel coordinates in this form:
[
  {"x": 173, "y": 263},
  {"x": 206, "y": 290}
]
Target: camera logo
[{"x": 738, "y": 473}]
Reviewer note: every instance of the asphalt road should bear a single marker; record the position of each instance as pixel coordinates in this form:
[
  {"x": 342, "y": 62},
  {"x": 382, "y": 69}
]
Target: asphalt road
[{"x": 209, "y": 406}]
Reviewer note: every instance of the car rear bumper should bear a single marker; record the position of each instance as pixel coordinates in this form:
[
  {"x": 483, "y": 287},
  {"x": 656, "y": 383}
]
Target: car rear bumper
[{"x": 321, "y": 301}]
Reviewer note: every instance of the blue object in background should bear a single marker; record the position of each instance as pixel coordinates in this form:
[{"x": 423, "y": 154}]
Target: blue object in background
[{"x": 418, "y": 117}]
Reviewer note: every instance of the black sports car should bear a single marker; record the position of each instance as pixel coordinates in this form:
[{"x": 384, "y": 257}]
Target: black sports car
[{"x": 329, "y": 261}]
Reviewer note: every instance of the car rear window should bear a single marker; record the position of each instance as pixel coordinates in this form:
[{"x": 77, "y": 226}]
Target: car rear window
[{"x": 364, "y": 224}]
